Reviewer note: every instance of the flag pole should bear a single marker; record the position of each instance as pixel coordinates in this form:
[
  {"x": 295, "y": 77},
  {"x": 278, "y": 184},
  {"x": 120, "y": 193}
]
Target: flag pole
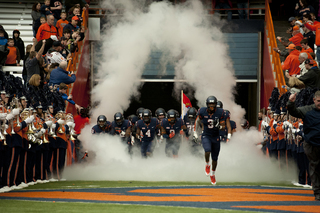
[{"x": 182, "y": 104}]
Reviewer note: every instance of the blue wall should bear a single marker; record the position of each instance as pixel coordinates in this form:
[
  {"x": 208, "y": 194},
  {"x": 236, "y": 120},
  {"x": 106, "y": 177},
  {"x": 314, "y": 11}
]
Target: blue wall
[{"x": 243, "y": 50}]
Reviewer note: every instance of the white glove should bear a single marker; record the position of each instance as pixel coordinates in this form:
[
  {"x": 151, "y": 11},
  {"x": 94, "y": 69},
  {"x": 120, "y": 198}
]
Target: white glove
[
  {"x": 264, "y": 124},
  {"x": 49, "y": 123},
  {"x": 122, "y": 134},
  {"x": 60, "y": 121},
  {"x": 16, "y": 111},
  {"x": 300, "y": 124},
  {"x": 29, "y": 120},
  {"x": 43, "y": 130},
  {"x": 161, "y": 139},
  {"x": 274, "y": 122},
  {"x": 9, "y": 117},
  {"x": 53, "y": 126},
  {"x": 3, "y": 116},
  {"x": 195, "y": 137},
  {"x": 38, "y": 134},
  {"x": 132, "y": 140},
  {"x": 70, "y": 124},
  {"x": 229, "y": 136}
]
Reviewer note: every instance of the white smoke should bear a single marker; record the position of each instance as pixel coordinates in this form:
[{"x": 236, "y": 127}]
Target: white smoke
[{"x": 187, "y": 38}]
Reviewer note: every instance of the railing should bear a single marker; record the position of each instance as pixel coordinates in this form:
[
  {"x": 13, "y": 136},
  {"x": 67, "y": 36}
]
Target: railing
[{"x": 274, "y": 57}]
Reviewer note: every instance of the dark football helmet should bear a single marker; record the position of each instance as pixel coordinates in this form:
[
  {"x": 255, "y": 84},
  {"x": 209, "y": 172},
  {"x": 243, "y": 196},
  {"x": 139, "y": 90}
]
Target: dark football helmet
[
  {"x": 211, "y": 103},
  {"x": 118, "y": 118},
  {"x": 219, "y": 104},
  {"x": 146, "y": 115},
  {"x": 159, "y": 112},
  {"x": 192, "y": 113},
  {"x": 172, "y": 116},
  {"x": 102, "y": 120},
  {"x": 139, "y": 112}
]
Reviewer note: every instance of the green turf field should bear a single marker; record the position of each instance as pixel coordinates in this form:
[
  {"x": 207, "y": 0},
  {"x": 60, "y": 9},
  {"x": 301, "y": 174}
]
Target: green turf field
[
  {"x": 99, "y": 184},
  {"x": 9, "y": 206}
]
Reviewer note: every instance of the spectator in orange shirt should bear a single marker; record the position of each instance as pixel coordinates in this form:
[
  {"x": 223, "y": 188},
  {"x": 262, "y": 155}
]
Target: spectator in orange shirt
[
  {"x": 296, "y": 36},
  {"x": 295, "y": 39},
  {"x": 61, "y": 23},
  {"x": 305, "y": 46},
  {"x": 315, "y": 27},
  {"x": 13, "y": 58},
  {"x": 292, "y": 61},
  {"x": 47, "y": 30}
]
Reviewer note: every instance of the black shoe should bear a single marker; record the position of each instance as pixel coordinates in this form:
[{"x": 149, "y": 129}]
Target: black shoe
[{"x": 317, "y": 197}]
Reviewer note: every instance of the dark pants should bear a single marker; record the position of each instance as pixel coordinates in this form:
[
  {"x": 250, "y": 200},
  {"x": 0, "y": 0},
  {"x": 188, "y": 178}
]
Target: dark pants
[
  {"x": 13, "y": 165},
  {"x": 31, "y": 160},
  {"x": 58, "y": 162},
  {"x": 2, "y": 161},
  {"x": 303, "y": 166},
  {"x": 22, "y": 171},
  {"x": 313, "y": 154}
]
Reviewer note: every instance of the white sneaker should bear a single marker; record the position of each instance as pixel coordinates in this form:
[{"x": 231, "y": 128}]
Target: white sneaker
[
  {"x": 6, "y": 189},
  {"x": 63, "y": 179},
  {"x": 45, "y": 181},
  {"x": 53, "y": 180},
  {"x": 297, "y": 184},
  {"x": 23, "y": 185},
  {"x": 16, "y": 187},
  {"x": 307, "y": 186},
  {"x": 31, "y": 183},
  {"x": 39, "y": 181}
]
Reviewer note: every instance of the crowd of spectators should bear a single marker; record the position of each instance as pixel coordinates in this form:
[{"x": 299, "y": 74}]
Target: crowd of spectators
[{"x": 57, "y": 29}]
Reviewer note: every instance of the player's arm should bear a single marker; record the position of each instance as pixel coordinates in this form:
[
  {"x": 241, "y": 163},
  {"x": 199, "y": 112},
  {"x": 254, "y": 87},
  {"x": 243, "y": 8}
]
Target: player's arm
[
  {"x": 138, "y": 133},
  {"x": 185, "y": 129},
  {"x": 128, "y": 132},
  {"x": 198, "y": 124},
  {"x": 229, "y": 128}
]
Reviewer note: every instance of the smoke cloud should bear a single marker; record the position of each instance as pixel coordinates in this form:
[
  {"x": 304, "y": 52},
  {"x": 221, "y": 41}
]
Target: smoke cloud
[{"x": 188, "y": 40}]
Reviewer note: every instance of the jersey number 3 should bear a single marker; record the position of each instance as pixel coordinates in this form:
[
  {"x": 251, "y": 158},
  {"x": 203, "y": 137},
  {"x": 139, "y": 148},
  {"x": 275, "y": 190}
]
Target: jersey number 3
[{"x": 210, "y": 123}]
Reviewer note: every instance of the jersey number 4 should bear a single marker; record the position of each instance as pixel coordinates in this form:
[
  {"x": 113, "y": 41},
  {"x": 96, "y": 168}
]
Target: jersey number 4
[{"x": 148, "y": 133}]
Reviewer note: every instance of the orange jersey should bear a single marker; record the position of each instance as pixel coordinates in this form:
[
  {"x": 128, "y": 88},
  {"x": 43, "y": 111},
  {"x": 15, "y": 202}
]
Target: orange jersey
[{"x": 60, "y": 25}]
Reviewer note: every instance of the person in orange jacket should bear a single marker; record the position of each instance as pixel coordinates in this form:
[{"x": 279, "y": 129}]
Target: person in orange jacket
[
  {"x": 292, "y": 61},
  {"x": 47, "y": 30}
]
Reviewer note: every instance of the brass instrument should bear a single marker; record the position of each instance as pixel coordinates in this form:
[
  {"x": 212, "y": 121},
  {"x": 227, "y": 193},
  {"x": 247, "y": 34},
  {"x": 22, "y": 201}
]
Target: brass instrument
[
  {"x": 60, "y": 115},
  {"x": 30, "y": 130}
]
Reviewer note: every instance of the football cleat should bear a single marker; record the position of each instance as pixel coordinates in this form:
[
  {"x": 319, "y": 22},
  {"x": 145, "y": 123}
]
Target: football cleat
[
  {"x": 207, "y": 170},
  {"x": 213, "y": 180}
]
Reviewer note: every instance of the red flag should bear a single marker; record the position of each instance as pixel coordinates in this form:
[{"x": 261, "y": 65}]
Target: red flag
[{"x": 186, "y": 104}]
